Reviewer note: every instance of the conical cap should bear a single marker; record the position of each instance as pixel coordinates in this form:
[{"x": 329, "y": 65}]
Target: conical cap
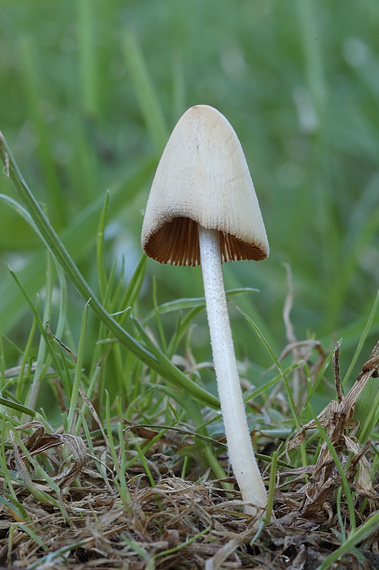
[{"x": 203, "y": 178}]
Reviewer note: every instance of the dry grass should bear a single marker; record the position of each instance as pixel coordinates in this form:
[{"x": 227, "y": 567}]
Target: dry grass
[{"x": 75, "y": 517}]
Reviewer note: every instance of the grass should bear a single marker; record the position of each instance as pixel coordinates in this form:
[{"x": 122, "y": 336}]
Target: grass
[{"x": 104, "y": 373}]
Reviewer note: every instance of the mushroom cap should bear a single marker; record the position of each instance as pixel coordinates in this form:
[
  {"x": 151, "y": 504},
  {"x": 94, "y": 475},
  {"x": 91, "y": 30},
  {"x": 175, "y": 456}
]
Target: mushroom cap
[{"x": 203, "y": 178}]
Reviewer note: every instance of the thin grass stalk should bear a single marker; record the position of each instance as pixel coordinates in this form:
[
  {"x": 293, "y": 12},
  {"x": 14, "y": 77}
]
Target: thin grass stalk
[
  {"x": 203, "y": 441},
  {"x": 34, "y": 490},
  {"x": 15, "y": 507},
  {"x": 120, "y": 470},
  {"x": 133, "y": 288},
  {"x": 40, "y": 326},
  {"x": 146, "y": 468},
  {"x": 184, "y": 544},
  {"x": 366, "y": 330},
  {"x": 41, "y": 357},
  {"x": 272, "y": 485},
  {"x": 271, "y": 383},
  {"x": 61, "y": 323},
  {"x": 124, "y": 492},
  {"x": 34, "y": 97},
  {"x": 344, "y": 481},
  {"x": 158, "y": 319},
  {"x": 26, "y": 357},
  {"x": 78, "y": 371},
  {"x": 146, "y": 94},
  {"x": 87, "y": 71},
  {"x": 366, "y": 529},
  {"x": 340, "y": 515},
  {"x": 286, "y": 384},
  {"x": 2, "y": 363},
  {"x": 17, "y": 408},
  {"x": 146, "y": 448},
  {"x": 278, "y": 366},
  {"x": 101, "y": 273},
  {"x": 25, "y": 527}
]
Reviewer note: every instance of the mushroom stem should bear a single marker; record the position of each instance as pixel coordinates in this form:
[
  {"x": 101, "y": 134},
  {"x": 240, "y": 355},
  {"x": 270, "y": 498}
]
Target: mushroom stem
[{"x": 240, "y": 449}]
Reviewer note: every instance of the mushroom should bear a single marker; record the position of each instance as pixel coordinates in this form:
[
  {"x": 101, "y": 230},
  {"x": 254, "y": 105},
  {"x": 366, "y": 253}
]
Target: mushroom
[{"x": 202, "y": 209}]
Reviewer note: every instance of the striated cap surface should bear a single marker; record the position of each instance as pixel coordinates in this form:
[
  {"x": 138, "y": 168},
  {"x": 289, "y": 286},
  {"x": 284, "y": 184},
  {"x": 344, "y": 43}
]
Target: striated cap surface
[{"x": 203, "y": 178}]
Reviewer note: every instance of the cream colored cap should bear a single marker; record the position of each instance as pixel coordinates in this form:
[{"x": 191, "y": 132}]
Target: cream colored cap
[{"x": 203, "y": 178}]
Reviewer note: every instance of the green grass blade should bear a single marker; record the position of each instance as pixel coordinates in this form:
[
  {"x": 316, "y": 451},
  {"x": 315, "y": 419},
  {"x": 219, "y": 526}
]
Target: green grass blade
[
  {"x": 133, "y": 288},
  {"x": 193, "y": 303},
  {"x": 20, "y": 210},
  {"x": 278, "y": 366},
  {"x": 78, "y": 236},
  {"x": 101, "y": 273},
  {"x": 41, "y": 357},
  {"x": 87, "y": 57},
  {"x": 362, "y": 339},
  {"x": 78, "y": 371},
  {"x": 182, "y": 381},
  {"x": 146, "y": 94},
  {"x": 121, "y": 470},
  {"x": 17, "y": 407},
  {"x": 344, "y": 481},
  {"x": 32, "y": 90},
  {"x": 157, "y": 360},
  {"x": 359, "y": 535}
]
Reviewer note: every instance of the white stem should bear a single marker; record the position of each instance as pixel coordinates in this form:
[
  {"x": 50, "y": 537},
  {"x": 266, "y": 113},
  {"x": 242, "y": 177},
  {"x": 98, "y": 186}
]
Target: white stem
[{"x": 238, "y": 439}]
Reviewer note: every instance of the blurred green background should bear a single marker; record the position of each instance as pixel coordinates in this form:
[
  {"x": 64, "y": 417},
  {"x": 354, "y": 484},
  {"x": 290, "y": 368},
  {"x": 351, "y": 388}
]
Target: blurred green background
[{"x": 90, "y": 91}]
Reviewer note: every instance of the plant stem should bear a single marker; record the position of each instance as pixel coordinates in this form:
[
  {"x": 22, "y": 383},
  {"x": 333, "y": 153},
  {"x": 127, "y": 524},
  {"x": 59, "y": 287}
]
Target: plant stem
[{"x": 237, "y": 433}]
